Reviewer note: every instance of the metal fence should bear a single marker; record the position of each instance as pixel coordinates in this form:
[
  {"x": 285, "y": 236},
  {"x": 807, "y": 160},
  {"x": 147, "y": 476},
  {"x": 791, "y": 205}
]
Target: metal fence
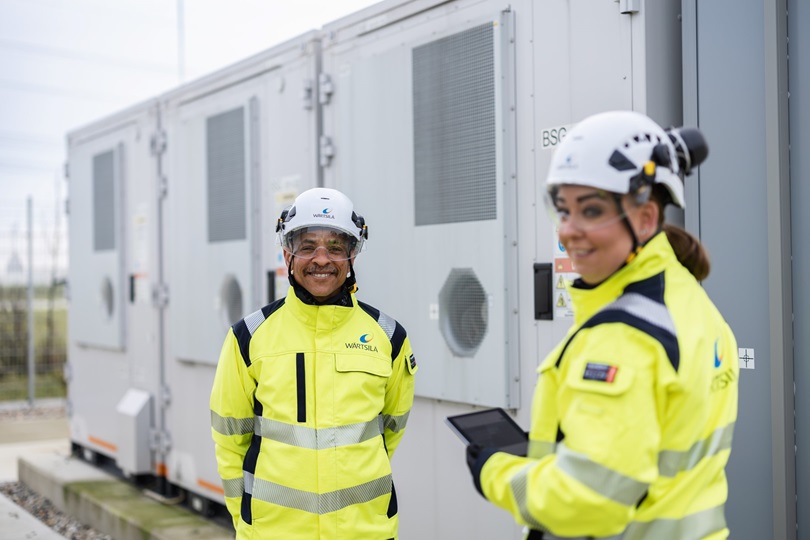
[{"x": 33, "y": 306}]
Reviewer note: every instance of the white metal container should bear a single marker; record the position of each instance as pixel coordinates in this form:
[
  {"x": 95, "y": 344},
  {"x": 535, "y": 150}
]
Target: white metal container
[{"x": 113, "y": 322}]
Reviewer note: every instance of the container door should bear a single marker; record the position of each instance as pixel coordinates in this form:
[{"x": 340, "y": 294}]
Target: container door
[
  {"x": 421, "y": 123},
  {"x": 113, "y": 322},
  {"x": 240, "y": 146}
]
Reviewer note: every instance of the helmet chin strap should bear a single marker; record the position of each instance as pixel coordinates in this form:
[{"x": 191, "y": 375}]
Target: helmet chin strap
[{"x": 637, "y": 246}]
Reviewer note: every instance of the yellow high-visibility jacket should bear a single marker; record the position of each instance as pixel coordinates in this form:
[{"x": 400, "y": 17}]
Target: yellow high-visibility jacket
[
  {"x": 632, "y": 416},
  {"x": 308, "y": 405}
]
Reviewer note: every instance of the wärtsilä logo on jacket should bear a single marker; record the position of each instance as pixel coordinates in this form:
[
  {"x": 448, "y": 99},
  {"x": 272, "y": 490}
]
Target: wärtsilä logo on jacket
[
  {"x": 364, "y": 343},
  {"x": 326, "y": 213}
]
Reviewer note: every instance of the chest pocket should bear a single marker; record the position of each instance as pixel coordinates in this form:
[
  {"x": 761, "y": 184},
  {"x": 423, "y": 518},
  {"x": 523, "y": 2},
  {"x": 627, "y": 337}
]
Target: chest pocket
[
  {"x": 361, "y": 382},
  {"x": 361, "y": 364}
]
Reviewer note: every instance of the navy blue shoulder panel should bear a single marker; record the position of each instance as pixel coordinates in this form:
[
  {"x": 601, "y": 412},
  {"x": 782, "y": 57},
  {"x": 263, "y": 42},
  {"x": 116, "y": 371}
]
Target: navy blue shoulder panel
[
  {"x": 395, "y": 331},
  {"x": 243, "y": 333},
  {"x": 271, "y": 308},
  {"x": 651, "y": 289},
  {"x": 371, "y": 310},
  {"x": 663, "y": 336}
]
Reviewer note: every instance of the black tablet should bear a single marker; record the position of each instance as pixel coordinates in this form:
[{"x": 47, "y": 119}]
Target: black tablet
[{"x": 492, "y": 428}]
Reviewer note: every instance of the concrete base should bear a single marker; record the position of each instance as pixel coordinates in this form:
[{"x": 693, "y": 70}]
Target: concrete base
[{"x": 109, "y": 504}]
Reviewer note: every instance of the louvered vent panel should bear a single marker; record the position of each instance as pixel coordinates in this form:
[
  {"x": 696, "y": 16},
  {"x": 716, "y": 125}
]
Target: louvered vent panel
[
  {"x": 225, "y": 150},
  {"x": 454, "y": 128},
  {"x": 104, "y": 201}
]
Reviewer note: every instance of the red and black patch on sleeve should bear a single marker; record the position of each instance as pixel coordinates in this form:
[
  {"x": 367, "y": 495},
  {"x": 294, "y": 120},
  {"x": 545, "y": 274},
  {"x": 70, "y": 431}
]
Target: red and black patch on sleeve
[{"x": 600, "y": 372}]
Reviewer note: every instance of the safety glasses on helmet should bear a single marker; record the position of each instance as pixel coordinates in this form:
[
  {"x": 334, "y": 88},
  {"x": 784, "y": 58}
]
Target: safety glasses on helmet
[
  {"x": 306, "y": 242},
  {"x": 589, "y": 211}
]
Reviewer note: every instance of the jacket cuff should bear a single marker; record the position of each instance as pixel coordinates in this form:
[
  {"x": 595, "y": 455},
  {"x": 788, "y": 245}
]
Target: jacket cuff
[{"x": 485, "y": 454}]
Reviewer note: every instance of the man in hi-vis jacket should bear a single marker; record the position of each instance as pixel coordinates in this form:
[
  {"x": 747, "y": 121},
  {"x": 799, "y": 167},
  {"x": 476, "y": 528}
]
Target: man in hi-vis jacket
[{"x": 312, "y": 392}]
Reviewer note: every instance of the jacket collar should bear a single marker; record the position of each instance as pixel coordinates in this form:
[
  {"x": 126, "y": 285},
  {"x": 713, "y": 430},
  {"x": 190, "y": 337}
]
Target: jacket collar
[
  {"x": 654, "y": 258},
  {"x": 334, "y": 312}
]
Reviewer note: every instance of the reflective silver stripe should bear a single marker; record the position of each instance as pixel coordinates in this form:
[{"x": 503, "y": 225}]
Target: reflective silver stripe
[
  {"x": 320, "y": 503},
  {"x": 249, "y": 478},
  {"x": 228, "y": 425},
  {"x": 396, "y": 423},
  {"x": 607, "y": 482},
  {"x": 518, "y": 484},
  {"x": 318, "y": 439},
  {"x": 540, "y": 449},
  {"x": 697, "y": 525},
  {"x": 388, "y": 324},
  {"x": 645, "y": 309},
  {"x": 233, "y": 487},
  {"x": 672, "y": 462},
  {"x": 253, "y": 321}
]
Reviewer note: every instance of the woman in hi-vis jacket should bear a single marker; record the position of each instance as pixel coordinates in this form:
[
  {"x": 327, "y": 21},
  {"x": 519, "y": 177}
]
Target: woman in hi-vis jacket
[
  {"x": 633, "y": 412},
  {"x": 312, "y": 392}
]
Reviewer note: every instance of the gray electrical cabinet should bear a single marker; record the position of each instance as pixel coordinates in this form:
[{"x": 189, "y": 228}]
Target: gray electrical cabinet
[
  {"x": 113, "y": 329},
  {"x": 422, "y": 131},
  {"x": 439, "y": 120},
  {"x": 240, "y": 145}
]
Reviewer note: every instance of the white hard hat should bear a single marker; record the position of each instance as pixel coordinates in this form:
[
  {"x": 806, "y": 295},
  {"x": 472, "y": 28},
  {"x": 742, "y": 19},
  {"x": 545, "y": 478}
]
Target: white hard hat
[
  {"x": 621, "y": 152},
  {"x": 322, "y": 208}
]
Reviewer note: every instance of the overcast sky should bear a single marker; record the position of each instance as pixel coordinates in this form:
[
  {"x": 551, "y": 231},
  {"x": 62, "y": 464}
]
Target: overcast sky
[{"x": 66, "y": 63}]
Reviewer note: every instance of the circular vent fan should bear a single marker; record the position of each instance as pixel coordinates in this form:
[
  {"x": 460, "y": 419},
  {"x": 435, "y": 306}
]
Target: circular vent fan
[
  {"x": 230, "y": 300},
  {"x": 463, "y": 312}
]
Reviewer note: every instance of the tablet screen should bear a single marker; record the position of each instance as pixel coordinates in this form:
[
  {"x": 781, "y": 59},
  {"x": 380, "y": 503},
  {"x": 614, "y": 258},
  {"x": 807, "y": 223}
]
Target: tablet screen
[{"x": 492, "y": 428}]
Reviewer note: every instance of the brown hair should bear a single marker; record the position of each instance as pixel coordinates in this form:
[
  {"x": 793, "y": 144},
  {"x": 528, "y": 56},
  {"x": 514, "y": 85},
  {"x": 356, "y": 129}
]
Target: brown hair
[{"x": 687, "y": 248}]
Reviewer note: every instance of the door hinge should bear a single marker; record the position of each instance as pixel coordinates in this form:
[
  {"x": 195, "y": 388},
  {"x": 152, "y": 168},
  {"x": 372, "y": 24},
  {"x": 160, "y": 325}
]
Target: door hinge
[
  {"x": 160, "y": 295},
  {"x": 160, "y": 441},
  {"x": 163, "y": 187},
  {"x": 157, "y": 144},
  {"x": 325, "y": 88},
  {"x": 326, "y": 151},
  {"x": 628, "y": 7},
  {"x": 165, "y": 395}
]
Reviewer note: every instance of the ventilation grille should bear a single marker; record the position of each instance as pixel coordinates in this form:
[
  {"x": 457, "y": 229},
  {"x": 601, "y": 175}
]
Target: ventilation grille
[
  {"x": 104, "y": 201},
  {"x": 463, "y": 312},
  {"x": 225, "y": 150},
  {"x": 454, "y": 128}
]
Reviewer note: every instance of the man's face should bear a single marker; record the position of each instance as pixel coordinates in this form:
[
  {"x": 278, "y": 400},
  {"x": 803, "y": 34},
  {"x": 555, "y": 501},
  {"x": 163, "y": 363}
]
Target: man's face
[{"x": 313, "y": 266}]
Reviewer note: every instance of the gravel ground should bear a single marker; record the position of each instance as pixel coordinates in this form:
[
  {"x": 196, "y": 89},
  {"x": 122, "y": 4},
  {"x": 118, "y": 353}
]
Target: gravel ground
[
  {"x": 34, "y": 504},
  {"x": 42, "y": 509}
]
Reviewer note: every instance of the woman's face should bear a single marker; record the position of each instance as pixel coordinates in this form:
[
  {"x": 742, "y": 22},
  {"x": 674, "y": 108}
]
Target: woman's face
[{"x": 592, "y": 230}]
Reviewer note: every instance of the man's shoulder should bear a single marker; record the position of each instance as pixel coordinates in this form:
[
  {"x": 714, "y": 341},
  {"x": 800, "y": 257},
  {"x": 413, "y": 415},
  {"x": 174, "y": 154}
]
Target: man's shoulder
[
  {"x": 390, "y": 325},
  {"x": 252, "y": 321}
]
